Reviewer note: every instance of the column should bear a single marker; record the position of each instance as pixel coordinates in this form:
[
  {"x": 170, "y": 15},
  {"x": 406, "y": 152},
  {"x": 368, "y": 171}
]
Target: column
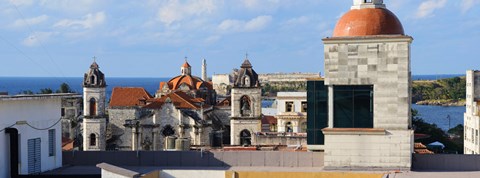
[{"x": 330, "y": 106}]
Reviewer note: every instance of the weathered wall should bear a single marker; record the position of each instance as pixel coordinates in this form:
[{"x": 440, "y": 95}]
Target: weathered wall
[
  {"x": 117, "y": 117},
  {"x": 281, "y": 140},
  {"x": 392, "y": 149},
  {"x": 196, "y": 159}
]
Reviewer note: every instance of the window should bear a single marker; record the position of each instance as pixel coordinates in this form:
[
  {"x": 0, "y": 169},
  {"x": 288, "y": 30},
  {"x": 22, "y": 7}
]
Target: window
[
  {"x": 317, "y": 114},
  {"x": 93, "y": 140},
  {"x": 289, "y": 106},
  {"x": 51, "y": 142},
  {"x": 353, "y": 107},
  {"x": 63, "y": 112},
  {"x": 93, "y": 107},
  {"x": 304, "y": 106},
  {"x": 273, "y": 127},
  {"x": 288, "y": 127},
  {"x": 245, "y": 106}
]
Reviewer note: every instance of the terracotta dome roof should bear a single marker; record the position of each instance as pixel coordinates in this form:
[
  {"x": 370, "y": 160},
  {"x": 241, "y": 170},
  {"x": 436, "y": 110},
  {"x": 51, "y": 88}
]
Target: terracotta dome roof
[
  {"x": 194, "y": 83},
  {"x": 367, "y": 22}
]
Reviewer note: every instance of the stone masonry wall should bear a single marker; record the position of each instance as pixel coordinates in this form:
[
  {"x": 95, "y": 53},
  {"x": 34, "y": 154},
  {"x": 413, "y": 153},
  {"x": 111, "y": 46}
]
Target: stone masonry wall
[{"x": 384, "y": 65}]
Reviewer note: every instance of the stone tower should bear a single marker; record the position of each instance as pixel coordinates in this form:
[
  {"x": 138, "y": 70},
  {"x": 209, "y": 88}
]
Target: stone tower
[
  {"x": 94, "y": 121},
  {"x": 204, "y": 70},
  {"x": 246, "y": 109}
]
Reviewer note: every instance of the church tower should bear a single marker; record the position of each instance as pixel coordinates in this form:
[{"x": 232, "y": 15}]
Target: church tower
[
  {"x": 246, "y": 99},
  {"x": 204, "y": 70},
  {"x": 94, "y": 121}
]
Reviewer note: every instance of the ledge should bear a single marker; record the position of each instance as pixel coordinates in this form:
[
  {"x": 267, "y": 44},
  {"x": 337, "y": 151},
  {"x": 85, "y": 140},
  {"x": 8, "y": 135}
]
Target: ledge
[
  {"x": 353, "y": 131},
  {"x": 118, "y": 170}
]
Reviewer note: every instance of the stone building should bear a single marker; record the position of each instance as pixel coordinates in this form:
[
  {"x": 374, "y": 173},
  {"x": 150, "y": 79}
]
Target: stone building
[
  {"x": 292, "y": 112},
  {"x": 192, "y": 85},
  {"x": 472, "y": 116},
  {"x": 246, "y": 107},
  {"x": 368, "y": 79},
  {"x": 95, "y": 119},
  {"x": 126, "y": 104}
]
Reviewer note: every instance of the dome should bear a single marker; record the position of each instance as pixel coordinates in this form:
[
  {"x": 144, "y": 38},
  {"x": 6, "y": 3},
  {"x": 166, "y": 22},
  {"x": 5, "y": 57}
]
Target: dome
[
  {"x": 193, "y": 83},
  {"x": 368, "y": 22}
]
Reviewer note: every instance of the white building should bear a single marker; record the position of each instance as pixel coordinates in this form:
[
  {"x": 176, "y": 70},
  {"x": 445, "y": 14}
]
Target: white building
[
  {"x": 37, "y": 119},
  {"x": 471, "y": 116},
  {"x": 292, "y": 112}
]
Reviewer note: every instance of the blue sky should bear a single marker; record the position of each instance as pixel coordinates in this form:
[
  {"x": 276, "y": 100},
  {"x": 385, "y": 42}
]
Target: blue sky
[{"x": 150, "y": 38}]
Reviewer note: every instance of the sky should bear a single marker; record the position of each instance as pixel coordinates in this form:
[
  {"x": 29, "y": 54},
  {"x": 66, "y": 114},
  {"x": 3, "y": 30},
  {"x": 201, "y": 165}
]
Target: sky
[{"x": 151, "y": 38}]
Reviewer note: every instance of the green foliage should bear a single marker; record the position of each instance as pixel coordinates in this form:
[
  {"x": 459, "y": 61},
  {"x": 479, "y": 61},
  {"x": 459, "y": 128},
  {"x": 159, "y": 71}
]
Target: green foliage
[
  {"x": 45, "y": 91},
  {"x": 444, "y": 89},
  {"x": 27, "y": 92},
  {"x": 452, "y": 145},
  {"x": 272, "y": 89},
  {"x": 65, "y": 88}
]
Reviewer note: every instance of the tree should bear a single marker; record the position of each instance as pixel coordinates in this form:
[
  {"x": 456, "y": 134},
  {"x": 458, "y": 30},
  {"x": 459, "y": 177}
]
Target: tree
[
  {"x": 65, "y": 88},
  {"x": 27, "y": 92},
  {"x": 46, "y": 91}
]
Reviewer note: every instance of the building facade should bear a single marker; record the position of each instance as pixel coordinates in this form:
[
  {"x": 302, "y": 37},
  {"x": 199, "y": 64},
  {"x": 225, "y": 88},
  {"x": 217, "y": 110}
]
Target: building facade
[
  {"x": 368, "y": 76},
  {"x": 472, "y": 116},
  {"x": 39, "y": 133},
  {"x": 292, "y": 112}
]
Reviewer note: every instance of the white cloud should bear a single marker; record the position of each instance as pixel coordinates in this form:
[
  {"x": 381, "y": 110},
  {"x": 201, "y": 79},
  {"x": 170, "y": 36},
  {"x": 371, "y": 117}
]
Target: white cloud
[
  {"x": 427, "y": 8},
  {"x": 89, "y": 21},
  {"x": 174, "y": 10},
  {"x": 31, "y": 21},
  {"x": 468, "y": 4},
  {"x": 37, "y": 38},
  {"x": 260, "y": 4},
  {"x": 255, "y": 24},
  {"x": 297, "y": 21},
  {"x": 21, "y": 2},
  {"x": 79, "y": 6}
]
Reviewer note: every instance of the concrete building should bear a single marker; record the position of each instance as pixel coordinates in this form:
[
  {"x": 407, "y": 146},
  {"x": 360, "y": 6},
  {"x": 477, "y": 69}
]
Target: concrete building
[
  {"x": 34, "y": 122},
  {"x": 292, "y": 112},
  {"x": 94, "y": 120},
  {"x": 368, "y": 79},
  {"x": 472, "y": 116}
]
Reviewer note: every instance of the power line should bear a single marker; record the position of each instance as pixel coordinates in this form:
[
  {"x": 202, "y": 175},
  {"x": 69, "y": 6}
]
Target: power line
[
  {"x": 39, "y": 41},
  {"x": 33, "y": 127},
  {"x": 7, "y": 127}
]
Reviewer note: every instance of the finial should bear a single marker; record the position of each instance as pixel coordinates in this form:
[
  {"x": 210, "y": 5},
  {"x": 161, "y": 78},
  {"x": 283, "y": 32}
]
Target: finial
[
  {"x": 94, "y": 59},
  {"x": 246, "y": 55},
  {"x": 186, "y": 59}
]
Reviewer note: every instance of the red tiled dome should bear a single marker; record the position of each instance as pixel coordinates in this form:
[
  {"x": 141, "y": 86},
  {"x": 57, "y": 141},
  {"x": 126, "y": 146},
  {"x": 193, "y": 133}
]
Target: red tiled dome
[{"x": 367, "y": 22}]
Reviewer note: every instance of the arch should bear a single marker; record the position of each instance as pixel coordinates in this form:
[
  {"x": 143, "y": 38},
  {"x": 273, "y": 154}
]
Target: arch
[
  {"x": 93, "y": 107},
  {"x": 288, "y": 127},
  {"x": 93, "y": 139},
  {"x": 246, "y": 81},
  {"x": 168, "y": 131},
  {"x": 245, "y": 106},
  {"x": 245, "y": 137},
  {"x": 303, "y": 126},
  {"x": 92, "y": 79}
]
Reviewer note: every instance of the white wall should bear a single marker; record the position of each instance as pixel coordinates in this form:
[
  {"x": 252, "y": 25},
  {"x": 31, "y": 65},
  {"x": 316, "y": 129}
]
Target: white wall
[
  {"x": 40, "y": 113},
  {"x": 191, "y": 173}
]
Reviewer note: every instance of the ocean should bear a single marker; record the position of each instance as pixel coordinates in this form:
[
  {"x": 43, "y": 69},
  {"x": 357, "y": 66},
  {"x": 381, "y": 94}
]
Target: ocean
[{"x": 15, "y": 85}]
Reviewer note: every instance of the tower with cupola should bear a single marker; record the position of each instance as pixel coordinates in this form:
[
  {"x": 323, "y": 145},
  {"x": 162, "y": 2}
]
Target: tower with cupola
[
  {"x": 246, "y": 109},
  {"x": 94, "y": 121}
]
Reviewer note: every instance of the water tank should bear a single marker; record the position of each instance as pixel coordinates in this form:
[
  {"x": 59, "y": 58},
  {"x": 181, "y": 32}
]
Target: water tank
[
  {"x": 170, "y": 143},
  {"x": 182, "y": 144},
  {"x": 216, "y": 139}
]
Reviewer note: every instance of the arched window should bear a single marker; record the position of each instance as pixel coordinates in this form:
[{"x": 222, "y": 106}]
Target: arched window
[
  {"x": 168, "y": 131},
  {"x": 93, "y": 107},
  {"x": 247, "y": 81},
  {"x": 288, "y": 127},
  {"x": 245, "y": 137},
  {"x": 92, "y": 80},
  {"x": 245, "y": 106},
  {"x": 93, "y": 139}
]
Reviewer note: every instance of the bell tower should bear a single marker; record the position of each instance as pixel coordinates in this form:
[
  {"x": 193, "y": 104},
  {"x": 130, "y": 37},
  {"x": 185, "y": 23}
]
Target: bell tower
[
  {"x": 246, "y": 99},
  {"x": 186, "y": 69},
  {"x": 94, "y": 121}
]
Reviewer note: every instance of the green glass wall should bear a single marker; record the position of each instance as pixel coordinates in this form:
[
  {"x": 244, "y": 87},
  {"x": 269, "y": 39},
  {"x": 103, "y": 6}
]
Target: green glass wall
[
  {"x": 317, "y": 112},
  {"x": 353, "y": 107}
]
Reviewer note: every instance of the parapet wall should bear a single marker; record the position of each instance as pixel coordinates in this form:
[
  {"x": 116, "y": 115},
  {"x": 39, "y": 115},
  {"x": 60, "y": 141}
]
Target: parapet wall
[{"x": 195, "y": 159}]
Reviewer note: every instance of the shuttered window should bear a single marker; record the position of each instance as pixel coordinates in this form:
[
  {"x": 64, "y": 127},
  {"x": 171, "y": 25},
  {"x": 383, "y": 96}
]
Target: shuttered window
[{"x": 51, "y": 142}]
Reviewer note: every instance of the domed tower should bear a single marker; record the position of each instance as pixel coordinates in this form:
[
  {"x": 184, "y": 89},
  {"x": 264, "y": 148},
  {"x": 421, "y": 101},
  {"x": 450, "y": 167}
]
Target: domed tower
[
  {"x": 367, "y": 73},
  {"x": 94, "y": 121},
  {"x": 246, "y": 109}
]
